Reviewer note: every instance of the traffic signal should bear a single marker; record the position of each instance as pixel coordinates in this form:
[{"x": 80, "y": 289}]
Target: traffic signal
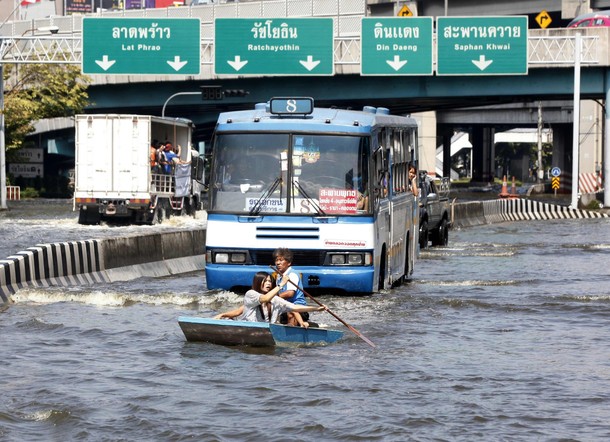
[
  {"x": 218, "y": 93},
  {"x": 236, "y": 93},
  {"x": 212, "y": 93}
]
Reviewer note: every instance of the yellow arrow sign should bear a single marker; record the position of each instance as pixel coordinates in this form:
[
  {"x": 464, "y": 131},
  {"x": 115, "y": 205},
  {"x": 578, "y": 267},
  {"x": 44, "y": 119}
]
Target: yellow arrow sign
[
  {"x": 405, "y": 12},
  {"x": 543, "y": 19}
]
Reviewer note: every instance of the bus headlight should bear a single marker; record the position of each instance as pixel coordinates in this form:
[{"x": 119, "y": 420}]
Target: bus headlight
[
  {"x": 238, "y": 258},
  {"x": 221, "y": 258},
  {"x": 337, "y": 260},
  {"x": 350, "y": 259},
  {"x": 227, "y": 257},
  {"x": 355, "y": 260}
]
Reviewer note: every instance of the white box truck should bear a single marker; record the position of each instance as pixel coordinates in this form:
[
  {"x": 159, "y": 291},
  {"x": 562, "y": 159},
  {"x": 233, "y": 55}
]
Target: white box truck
[{"x": 114, "y": 180}]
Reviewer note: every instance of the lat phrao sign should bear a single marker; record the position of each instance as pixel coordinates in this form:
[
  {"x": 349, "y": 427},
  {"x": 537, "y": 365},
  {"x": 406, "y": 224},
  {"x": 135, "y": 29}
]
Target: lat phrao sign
[{"x": 143, "y": 46}]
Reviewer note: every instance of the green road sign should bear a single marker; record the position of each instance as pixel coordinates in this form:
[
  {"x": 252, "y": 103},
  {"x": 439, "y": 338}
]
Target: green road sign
[
  {"x": 481, "y": 45},
  {"x": 141, "y": 46},
  {"x": 396, "y": 46},
  {"x": 278, "y": 46}
]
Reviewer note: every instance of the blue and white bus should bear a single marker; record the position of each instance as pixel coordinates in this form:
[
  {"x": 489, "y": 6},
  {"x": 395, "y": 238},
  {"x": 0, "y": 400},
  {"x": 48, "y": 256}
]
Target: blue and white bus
[{"x": 329, "y": 184}]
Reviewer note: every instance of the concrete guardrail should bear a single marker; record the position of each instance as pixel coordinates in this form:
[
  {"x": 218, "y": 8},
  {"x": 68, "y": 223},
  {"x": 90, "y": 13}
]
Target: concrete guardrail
[{"x": 162, "y": 254}]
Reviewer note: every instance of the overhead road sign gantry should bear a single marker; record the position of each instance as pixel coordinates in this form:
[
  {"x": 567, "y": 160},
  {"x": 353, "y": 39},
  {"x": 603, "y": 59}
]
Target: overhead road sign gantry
[
  {"x": 481, "y": 45},
  {"x": 396, "y": 46},
  {"x": 145, "y": 46},
  {"x": 274, "y": 46}
]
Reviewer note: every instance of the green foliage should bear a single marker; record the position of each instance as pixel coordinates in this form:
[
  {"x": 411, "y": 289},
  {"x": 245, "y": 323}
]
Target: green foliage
[
  {"x": 593, "y": 205},
  {"x": 507, "y": 151},
  {"x": 29, "y": 192},
  {"x": 37, "y": 91}
]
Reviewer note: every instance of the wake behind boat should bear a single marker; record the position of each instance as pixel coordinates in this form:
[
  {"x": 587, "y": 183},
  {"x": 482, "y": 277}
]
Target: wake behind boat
[{"x": 256, "y": 334}]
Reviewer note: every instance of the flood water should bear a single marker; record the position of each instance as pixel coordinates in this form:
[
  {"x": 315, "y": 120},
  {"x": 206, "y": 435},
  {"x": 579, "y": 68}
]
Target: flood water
[{"x": 502, "y": 335}]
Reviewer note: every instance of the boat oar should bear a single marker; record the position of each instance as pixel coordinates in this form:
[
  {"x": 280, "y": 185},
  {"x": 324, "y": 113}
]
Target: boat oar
[{"x": 352, "y": 329}]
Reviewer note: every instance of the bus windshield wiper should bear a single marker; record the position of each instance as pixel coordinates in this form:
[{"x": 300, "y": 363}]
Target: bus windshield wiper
[
  {"x": 311, "y": 201},
  {"x": 265, "y": 196}
]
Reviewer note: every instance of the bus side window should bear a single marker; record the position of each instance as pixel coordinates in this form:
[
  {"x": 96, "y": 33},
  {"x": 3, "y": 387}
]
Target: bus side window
[{"x": 381, "y": 165}]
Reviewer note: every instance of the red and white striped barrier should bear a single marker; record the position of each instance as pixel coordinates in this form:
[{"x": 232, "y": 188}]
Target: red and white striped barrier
[
  {"x": 590, "y": 183},
  {"x": 13, "y": 193}
]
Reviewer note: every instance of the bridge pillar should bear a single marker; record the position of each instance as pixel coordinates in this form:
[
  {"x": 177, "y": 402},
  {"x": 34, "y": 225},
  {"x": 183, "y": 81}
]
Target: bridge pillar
[
  {"x": 562, "y": 154},
  {"x": 483, "y": 153},
  {"x": 446, "y": 137}
]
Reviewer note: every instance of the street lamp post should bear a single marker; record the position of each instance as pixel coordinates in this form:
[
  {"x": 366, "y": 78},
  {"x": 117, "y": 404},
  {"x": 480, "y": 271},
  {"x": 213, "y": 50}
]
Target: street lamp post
[
  {"x": 176, "y": 95},
  {"x": 3, "y": 205},
  {"x": 2, "y": 138}
]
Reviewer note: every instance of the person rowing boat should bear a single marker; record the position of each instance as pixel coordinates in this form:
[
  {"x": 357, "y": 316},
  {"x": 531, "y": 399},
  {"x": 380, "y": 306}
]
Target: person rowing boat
[{"x": 261, "y": 303}]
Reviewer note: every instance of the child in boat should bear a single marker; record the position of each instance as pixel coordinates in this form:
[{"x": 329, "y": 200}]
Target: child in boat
[
  {"x": 292, "y": 292},
  {"x": 262, "y": 305}
]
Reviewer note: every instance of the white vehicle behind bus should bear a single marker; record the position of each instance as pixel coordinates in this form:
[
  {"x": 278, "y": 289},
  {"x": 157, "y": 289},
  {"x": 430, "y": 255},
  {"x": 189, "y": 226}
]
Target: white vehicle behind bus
[{"x": 114, "y": 180}]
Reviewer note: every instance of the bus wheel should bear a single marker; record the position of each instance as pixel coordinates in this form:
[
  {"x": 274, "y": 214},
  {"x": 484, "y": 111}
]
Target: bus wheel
[
  {"x": 383, "y": 280},
  {"x": 405, "y": 276}
]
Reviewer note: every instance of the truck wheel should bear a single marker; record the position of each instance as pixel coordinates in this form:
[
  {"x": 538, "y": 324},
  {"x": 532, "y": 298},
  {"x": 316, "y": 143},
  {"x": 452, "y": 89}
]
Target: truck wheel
[
  {"x": 156, "y": 217},
  {"x": 87, "y": 217},
  {"x": 166, "y": 209},
  {"x": 161, "y": 214},
  {"x": 441, "y": 237},
  {"x": 423, "y": 235},
  {"x": 190, "y": 206}
]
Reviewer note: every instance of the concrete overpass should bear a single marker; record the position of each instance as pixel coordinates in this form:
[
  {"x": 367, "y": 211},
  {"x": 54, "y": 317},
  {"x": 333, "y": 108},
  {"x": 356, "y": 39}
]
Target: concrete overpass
[{"x": 550, "y": 59}]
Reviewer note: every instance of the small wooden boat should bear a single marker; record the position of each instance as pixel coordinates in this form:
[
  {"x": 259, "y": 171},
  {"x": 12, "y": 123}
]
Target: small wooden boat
[{"x": 256, "y": 334}]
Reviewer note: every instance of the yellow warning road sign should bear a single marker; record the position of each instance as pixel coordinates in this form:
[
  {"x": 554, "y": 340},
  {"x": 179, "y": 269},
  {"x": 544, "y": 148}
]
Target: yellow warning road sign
[
  {"x": 543, "y": 19},
  {"x": 555, "y": 183},
  {"x": 405, "y": 12}
]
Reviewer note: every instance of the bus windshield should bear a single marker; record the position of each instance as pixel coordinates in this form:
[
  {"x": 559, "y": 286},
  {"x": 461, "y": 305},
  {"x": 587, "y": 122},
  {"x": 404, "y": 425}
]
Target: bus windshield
[{"x": 257, "y": 173}]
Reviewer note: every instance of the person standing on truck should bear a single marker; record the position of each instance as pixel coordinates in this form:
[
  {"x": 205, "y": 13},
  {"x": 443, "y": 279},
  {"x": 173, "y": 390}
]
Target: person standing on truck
[
  {"x": 154, "y": 156},
  {"x": 170, "y": 158},
  {"x": 162, "y": 158},
  {"x": 413, "y": 180}
]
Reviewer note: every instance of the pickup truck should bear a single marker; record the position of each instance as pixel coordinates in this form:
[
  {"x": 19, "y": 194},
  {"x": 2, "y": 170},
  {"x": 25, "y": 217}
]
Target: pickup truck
[{"x": 434, "y": 211}]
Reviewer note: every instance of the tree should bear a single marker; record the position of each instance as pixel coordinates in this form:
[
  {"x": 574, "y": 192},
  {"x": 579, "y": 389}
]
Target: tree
[{"x": 37, "y": 91}]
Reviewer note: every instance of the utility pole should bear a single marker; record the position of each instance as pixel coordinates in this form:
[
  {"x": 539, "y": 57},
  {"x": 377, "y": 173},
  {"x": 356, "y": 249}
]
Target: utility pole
[
  {"x": 3, "y": 205},
  {"x": 576, "y": 121},
  {"x": 540, "y": 171}
]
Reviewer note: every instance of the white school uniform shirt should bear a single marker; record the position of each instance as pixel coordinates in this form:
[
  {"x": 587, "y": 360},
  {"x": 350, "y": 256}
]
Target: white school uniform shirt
[{"x": 253, "y": 314}]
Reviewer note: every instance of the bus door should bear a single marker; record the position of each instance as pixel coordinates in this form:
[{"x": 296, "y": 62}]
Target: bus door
[
  {"x": 399, "y": 206},
  {"x": 382, "y": 211}
]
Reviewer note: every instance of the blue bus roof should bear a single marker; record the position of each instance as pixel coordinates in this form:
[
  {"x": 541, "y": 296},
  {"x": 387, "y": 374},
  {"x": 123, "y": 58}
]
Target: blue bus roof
[{"x": 320, "y": 120}]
